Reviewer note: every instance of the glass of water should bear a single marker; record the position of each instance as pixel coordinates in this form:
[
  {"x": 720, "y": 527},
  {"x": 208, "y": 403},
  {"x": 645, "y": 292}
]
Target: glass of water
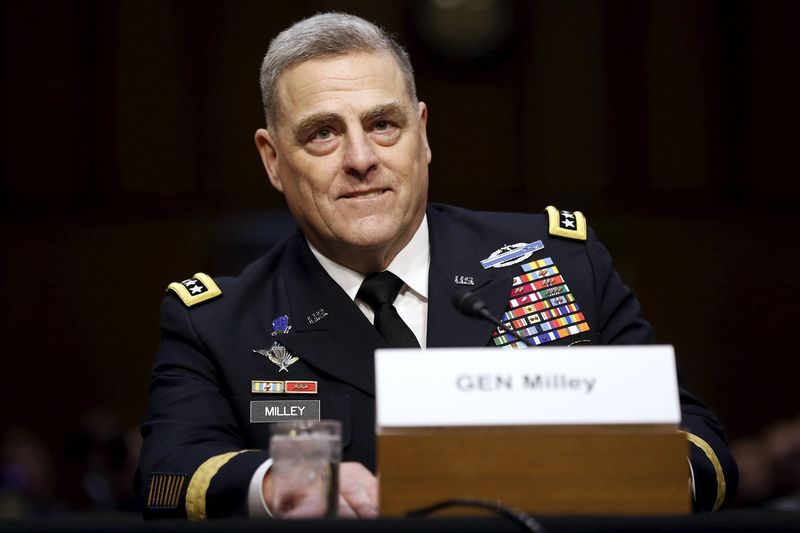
[{"x": 305, "y": 468}]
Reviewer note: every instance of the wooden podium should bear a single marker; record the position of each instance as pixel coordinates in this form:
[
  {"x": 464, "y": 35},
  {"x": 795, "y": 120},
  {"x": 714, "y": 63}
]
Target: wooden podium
[
  {"x": 556, "y": 431},
  {"x": 539, "y": 469}
]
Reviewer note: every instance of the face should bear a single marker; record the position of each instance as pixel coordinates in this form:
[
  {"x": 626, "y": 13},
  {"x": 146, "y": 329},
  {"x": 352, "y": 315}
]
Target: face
[{"x": 350, "y": 153}]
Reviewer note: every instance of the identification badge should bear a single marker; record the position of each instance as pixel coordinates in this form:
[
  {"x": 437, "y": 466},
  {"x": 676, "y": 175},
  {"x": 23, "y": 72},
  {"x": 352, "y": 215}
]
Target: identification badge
[{"x": 265, "y": 411}]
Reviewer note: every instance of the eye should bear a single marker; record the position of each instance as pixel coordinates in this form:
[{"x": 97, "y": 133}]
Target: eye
[
  {"x": 385, "y": 131},
  {"x": 322, "y": 134},
  {"x": 321, "y": 140}
]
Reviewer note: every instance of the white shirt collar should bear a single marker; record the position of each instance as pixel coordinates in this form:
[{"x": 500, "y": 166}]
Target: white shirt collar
[{"x": 411, "y": 265}]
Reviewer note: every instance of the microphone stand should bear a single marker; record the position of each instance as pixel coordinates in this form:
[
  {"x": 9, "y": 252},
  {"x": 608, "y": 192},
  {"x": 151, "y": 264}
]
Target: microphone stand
[{"x": 472, "y": 306}]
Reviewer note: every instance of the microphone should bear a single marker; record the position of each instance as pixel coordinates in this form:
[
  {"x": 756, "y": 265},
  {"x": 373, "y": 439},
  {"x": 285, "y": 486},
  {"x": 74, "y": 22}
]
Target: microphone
[{"x": 472, "y": 306}]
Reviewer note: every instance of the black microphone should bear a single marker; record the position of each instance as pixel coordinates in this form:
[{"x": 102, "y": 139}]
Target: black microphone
[{"x": 471, "y": 305}]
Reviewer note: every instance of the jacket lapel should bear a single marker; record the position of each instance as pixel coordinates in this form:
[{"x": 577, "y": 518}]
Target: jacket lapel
[
  {"x": 328, "y": 332},
  {"x": 454, "y": 259}
]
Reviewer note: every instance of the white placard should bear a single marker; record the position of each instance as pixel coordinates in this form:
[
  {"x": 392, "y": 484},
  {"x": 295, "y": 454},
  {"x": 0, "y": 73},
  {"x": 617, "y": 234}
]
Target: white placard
[{"x": 545, "y": 386}]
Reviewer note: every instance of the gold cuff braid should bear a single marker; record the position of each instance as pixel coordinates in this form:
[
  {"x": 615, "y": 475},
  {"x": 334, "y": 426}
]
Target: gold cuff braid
[
  {"x": 706, "y": 448},
  {"x": 201, "y": 480}
]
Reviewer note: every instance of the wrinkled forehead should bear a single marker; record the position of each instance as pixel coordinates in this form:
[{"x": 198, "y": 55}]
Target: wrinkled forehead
[{"x": 322, "y": 84}]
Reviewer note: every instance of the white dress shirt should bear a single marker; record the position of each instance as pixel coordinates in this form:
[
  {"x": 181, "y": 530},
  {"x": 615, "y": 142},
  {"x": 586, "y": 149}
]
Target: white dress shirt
[{"x": 411, "y": 265}]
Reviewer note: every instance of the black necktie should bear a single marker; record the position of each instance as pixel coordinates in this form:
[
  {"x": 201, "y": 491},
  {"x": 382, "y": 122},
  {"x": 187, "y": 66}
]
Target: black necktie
[{"x": 379, "y": 291}]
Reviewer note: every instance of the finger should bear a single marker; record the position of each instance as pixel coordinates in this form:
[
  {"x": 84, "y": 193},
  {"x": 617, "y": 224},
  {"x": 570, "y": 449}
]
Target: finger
[
  {"x": 363, "y": 506},
  {"x": 359, "y": 499},
  {"x": 345, "y": 511},
  {"x": 302, "y": 504},
  {"x": 360, "y": 489}
]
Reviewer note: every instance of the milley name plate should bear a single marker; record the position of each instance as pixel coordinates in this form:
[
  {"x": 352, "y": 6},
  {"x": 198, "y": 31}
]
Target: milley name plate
[{"x": 538, "y": 386}]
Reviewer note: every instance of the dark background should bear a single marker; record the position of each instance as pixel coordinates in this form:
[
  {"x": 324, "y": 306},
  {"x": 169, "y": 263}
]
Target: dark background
[{"x": 127, "y": 161}]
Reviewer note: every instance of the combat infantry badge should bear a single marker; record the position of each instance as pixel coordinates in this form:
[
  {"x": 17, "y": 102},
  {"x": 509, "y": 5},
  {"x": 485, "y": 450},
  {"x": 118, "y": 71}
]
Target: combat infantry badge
[
  {"x": 511, "y": 254},
  {"x": 279, "y": 355}
]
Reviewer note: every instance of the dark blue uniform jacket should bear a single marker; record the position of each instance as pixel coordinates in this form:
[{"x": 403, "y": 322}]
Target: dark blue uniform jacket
[{"x": 200, "y": 448}]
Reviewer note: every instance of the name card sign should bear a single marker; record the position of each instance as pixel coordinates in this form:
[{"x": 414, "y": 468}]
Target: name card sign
[{"x": 545, "y": 386}]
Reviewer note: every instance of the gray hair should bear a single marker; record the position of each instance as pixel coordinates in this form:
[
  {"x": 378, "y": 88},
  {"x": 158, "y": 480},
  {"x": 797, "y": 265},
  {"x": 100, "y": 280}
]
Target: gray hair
[{"x": 323, "y": 36}]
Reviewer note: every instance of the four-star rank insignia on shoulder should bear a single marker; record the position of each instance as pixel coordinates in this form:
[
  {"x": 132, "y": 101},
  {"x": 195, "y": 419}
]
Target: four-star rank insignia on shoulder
[
  {"x": 566, "y": 224},
  {"x": 196, "y": 289}
]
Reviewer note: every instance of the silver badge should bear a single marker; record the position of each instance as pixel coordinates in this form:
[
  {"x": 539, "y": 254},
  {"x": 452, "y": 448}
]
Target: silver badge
[
  {"x": 511, "y": 254},
  {"x": 316, "y": 316},
  {"x": 279, "y": 355},
  {"x": 464, "y": 280}
]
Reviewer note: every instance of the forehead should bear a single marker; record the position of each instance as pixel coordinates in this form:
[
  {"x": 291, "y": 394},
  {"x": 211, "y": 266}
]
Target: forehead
[{"x": 353, "y": 81}]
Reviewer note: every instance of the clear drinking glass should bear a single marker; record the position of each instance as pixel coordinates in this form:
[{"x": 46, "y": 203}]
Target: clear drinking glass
[{"x": 305, "y": 468}]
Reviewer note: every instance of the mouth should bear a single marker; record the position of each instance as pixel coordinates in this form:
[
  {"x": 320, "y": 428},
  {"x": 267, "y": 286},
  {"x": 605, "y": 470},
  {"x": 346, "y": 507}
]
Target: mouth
[{"x": 364, "y": 195}]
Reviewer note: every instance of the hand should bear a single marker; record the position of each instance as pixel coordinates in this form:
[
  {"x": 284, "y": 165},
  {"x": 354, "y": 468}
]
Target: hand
[
  {"x": 358, "y": 491},
  {"x": 358, "y": 496}
]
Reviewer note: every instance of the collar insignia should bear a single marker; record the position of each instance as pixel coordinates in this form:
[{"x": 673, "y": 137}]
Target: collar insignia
[
  {"x": 280, "y": 325},
  {"x": 316, "y": 316}
]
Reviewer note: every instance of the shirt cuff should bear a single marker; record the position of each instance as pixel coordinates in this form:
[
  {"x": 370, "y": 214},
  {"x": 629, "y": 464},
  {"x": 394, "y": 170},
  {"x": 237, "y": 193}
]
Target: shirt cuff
[
  {"x": 691, "y": 474},
  {"x": 256, "y": 506}
]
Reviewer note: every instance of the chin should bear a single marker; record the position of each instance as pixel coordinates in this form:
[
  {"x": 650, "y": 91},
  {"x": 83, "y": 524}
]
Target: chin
[{"x": 370, "y": 235}]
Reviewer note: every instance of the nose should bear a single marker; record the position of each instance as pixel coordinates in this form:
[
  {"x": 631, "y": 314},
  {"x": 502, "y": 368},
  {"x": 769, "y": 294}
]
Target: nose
[{"x": 360, "y": 156}]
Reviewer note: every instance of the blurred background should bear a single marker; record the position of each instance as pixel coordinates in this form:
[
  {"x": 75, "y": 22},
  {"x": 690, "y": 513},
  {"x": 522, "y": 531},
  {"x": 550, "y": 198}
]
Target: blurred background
[{"x": 127, "y": 161}]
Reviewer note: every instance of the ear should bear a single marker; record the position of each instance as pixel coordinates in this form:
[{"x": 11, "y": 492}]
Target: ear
[
  {"x": 423, "y": 128},
  {"x": 269, "y": 156}
]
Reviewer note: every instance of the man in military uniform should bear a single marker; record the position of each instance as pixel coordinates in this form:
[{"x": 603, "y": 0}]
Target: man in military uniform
[{"x": 372, "y": 265}]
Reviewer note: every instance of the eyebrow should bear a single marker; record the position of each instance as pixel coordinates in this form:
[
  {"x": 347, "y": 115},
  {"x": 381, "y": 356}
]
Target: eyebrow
[
  {"x": 303, "y": 129},
  {"x": 391, "y": 110},
  {"x": 308, "y": 124}
]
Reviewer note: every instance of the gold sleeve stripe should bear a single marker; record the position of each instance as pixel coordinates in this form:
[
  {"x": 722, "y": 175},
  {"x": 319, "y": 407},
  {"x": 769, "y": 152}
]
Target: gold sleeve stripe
[
  {"x": 169, "y": 491},
  {"x": 160, "y": 493},
  {"x": 189, "y": 299},
  {"x": 201, "y": 480},
  {"x": 165, "y": 490},
  {"x": 177, "y": 493},
  {"x": 160, "y": 490},
  {"x": 173, "y": 491},
  {"x": 706, "y": 448},
  {"x": 150, "y": 492},
  {"x": 165, "y": 495}
]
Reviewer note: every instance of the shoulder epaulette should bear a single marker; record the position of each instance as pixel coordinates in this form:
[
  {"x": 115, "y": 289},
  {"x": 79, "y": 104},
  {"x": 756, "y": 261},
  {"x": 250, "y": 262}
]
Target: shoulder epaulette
[
  {"x": 196, "y": 289},
  {"x": 567, "y": 224}
]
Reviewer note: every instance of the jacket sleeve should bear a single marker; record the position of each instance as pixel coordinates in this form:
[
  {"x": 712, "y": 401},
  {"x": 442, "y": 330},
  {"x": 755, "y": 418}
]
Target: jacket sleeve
[
  {"x": 193, "y": 461},
  {"x": 618, "y": 310},
  {"x": 714, "y": 470}
]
